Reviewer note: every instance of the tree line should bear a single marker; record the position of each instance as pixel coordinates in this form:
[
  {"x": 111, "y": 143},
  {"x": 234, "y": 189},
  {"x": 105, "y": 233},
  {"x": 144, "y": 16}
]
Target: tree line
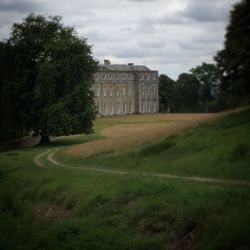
[
  {"x": 196, "y": 91},
  {"x": 219, "y": 86}
]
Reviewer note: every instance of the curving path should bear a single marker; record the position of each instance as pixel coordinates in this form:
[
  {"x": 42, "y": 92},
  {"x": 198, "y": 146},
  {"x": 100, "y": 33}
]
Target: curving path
[{"x": 49, "y": 156}]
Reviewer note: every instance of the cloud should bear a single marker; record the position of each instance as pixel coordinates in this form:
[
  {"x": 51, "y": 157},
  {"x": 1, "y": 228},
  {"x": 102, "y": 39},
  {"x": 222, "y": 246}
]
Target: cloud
[
  {"x": 170, "y": 36},
  {"x": 22, "y": 6},
  {"x": 206, "y": 11}
]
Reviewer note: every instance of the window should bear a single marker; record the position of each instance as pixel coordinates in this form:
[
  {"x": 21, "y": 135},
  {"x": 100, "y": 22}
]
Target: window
[
  {"x": 97, "y": 91},
  {"x": 123, "y": 91},
  {"x": 104, "y": 109},
  {"x": 112, "y": 108},
  {"x": 111, "y": 91},
  {"x": 124, "y": 108},
  {"x": 104, "y": 91},
  {"x": 155, "y": 107},
  {"x": 117, "y": 108},
  {"x": 149, "y": 108},
  {"x": 143, "y": 107},
  {"x": 117, "y": 91},
  {"x": 130, "y": 108},
  {"x": 130, "y": 91}
]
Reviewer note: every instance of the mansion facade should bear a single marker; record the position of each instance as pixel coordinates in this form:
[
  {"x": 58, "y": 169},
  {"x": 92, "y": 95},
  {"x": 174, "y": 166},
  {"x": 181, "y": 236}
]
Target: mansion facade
[{"x": 125, "y": 89}]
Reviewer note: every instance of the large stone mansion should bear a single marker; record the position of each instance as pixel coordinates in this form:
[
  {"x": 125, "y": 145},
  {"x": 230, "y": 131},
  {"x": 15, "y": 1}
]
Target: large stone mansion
[{"x": 125, "y": 89}]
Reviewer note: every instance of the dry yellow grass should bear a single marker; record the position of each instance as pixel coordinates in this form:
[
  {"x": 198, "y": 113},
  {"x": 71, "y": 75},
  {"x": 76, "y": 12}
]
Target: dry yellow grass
[
  {"x": 125, "y": 132},
  {"x": 141, "y": 129}
]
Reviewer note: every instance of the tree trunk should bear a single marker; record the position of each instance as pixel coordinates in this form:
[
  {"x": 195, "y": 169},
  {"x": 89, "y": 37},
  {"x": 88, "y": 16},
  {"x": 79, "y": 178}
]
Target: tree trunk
[{"x": 44, "y": 140}]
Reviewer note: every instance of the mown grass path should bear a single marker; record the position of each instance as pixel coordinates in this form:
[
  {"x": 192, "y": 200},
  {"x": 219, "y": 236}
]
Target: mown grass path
[{"x": 49, "y": 156}]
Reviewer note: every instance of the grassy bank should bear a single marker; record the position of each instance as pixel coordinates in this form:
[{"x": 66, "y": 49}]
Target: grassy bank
[
  {"x": 55, "y": 208},
  {"x": 218, "y": 150}
]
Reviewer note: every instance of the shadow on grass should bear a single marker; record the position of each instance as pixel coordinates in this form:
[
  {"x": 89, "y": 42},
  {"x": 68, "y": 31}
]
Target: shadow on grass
[{"x": 71, "y": 140}]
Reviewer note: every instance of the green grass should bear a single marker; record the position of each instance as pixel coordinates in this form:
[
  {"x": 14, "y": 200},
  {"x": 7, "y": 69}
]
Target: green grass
[
  {"x": 218, "y": 150},
  {"x": 126, "y": 212}
]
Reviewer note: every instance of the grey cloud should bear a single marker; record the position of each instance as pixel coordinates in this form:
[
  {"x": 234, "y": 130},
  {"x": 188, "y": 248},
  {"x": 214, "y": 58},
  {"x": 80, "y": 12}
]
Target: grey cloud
[
  {"x": 168, "y": 35},
  {"x": 23, "y": 6},
  {"x": 209, "y": 11},
  {"x": 195, "y": 11},
  {"x": 137, "y": 52},
  {"x": 146, "y": 29},
  {"x": 127, "y": 29},
  {"x": 151, "y": 44}
]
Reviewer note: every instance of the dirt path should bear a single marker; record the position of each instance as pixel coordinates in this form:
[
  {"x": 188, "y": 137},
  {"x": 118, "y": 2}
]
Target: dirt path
[
  {"x": 50, "y": 158},
  {"x": 37, "y": 159},
  {"x": 124, "y": 136}
]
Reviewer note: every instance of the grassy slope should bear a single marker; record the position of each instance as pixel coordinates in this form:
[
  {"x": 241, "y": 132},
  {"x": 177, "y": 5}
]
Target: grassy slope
[
  {"x": 124, "y": 212},
  {"x": 218, "y": 150}
]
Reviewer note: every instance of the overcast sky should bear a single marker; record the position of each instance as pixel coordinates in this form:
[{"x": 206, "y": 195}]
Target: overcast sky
[{"x": 170, "y": 36}]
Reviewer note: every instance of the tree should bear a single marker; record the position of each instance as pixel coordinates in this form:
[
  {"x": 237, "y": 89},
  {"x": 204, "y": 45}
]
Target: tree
[
  {"x": 11, "y": 125},
  {"x": 234, "y": 60},
  {"x": 54, "y": 77},
  {"x": 186, "y": 94},
  {"x": 166, "y": 85},
  {"x": 208, "y": 77}
]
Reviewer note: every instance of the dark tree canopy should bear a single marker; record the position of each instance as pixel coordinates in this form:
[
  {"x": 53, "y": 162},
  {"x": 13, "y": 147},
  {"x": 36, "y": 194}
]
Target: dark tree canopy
[
  {"x": 53, "y": 77},
  {"x": 234, "y": 60},
  {"x": 12, "y": 119},
  {"x": 186, "y": 94},
  {"x": 166, "y": 85},
  {"x": 208, "y": 77}
]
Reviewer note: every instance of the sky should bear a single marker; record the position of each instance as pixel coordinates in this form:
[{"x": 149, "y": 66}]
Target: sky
[{"x": 171, "y": 36}]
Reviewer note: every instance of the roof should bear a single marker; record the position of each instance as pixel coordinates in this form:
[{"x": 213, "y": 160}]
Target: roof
[{"x": 122, "y": 67}]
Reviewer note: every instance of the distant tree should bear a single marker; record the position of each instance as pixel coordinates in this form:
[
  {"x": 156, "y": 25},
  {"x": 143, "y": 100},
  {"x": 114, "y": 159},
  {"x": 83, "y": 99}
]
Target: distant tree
[
  {"x": 166, "y": 85},
  {"x": 234, "y": 60},
  {"x": 186, "y": 94},
  {"x": 208, "y": 77},
  {"x": 54, "y": 76}
]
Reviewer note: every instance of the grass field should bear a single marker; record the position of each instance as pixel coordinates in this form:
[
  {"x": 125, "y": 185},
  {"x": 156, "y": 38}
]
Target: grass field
[{"x": 55, "y": 207}]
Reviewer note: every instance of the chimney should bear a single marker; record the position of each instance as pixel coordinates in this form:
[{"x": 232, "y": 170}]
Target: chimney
[{"x": 106, "y": 62}]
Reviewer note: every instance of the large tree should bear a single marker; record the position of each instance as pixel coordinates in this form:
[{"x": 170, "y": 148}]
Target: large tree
[
  {"x": 54, "y": 77},
  {"x": 234, "y": 60},
  {"x": 186, "y": 94},
  {"x": 208, "y": 76},
  {"x": 166, "y": 85}
]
